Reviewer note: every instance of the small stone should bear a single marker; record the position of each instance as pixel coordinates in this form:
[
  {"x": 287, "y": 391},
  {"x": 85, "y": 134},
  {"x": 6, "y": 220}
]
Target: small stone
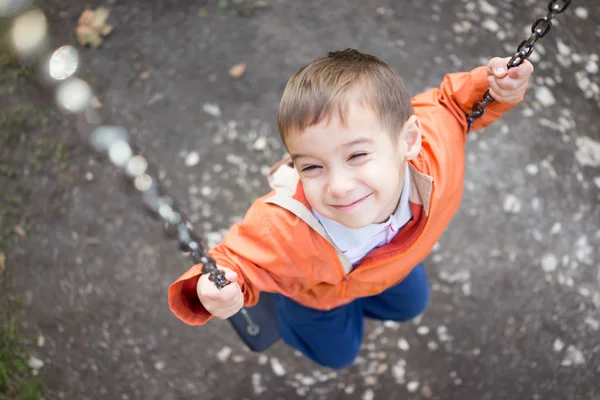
[
  {"x": 549, "y": 262},
  {"x": 277, "y": 367},
  {"x": 382, "y": 368},
  {"x": 596, "y": 300},
  {"x": 555, "y": 228},
  {"x": 532, "y": 169},
  {"x": 490, "y": 25},
  {"x": 581, "y": 12},
  {"x": 423, "y": 330},
  {"x": 426, "y": 392},
  {"x": 224, "y": 354},
  {"x": 558, "y": 345},
  {"x": 238, "y": 358},
  {"x": 592, "y": 323},
  {"x": 192, "y": 159},
  {"x": 159, "y": 365},
  {"x": 349, "y": 389},
  {"x": 368, "y": 395},
  {"x": 432, "y": 345},
  {"x": 41, "y": 341},
  {"x": 370, "y": 380},
  {"x": 35, "y": 363},
  {"x": 545, "y": 96},
  {"x": 89, "y": 176},
  {"x": 237, "y": 70},
  {"x": 212, "y": 109},
  {"x": 412, "y": 386},
  {"x": 512, "y": 204},
  {"x": 403, "y": 344},
  {"x": 573, "y": 357},
  {"x": 260, "y": 143}
]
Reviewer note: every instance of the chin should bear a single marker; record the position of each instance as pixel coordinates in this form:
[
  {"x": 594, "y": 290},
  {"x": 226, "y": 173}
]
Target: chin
[{"x": 354, "y": 224}]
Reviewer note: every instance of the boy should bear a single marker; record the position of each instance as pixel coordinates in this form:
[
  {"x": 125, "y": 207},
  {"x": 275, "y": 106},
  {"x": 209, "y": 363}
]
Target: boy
[{"x": 372, "y": 181}]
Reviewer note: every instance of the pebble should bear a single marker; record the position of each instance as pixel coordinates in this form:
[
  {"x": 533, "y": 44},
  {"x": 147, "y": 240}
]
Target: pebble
[
  {"x": 35, "y": 363},
  {"x": 212, "y": 109},
  {"x": 558, "y": 345},
  {"x": 549, "y": 262},
  {"x": 192, "y": 159},
  {"x": 592, "y": 323},
  {"x": 277, "y": 367},
  {"x": 224, "y": 354},
  {"x": 412, "y": 386},
  {"x": 403, "y": 344},
  {"x": 423, "y": 330}
]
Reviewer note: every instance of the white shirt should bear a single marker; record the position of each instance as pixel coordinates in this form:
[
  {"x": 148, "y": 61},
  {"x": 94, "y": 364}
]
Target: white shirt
[{"x": 357, "y": 243}]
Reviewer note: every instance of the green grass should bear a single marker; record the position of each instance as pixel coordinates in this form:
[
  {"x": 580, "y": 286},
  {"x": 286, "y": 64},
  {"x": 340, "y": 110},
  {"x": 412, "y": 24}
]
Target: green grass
[{"x": 16, "y": 380}]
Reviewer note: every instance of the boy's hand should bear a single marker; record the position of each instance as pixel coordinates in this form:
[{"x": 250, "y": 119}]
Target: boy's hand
[
  {"x": 508, "y": 85},
  {"x": 221, "y": 303}
]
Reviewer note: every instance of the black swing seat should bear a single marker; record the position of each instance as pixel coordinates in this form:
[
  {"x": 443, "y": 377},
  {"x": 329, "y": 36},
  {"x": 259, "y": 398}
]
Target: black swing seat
[{"x": 257, "y": 325}]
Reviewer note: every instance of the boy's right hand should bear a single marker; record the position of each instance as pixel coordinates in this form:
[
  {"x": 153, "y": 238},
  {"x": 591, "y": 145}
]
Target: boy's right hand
[{"x": 221, "y": 303}]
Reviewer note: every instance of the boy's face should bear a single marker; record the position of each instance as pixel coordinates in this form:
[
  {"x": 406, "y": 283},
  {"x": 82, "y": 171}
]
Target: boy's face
[{"x": 351, "y": 174}]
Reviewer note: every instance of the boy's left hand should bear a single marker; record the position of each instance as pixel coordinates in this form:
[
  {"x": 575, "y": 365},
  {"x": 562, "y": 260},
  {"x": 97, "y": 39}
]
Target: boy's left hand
[{"x": 508, "y": 85}]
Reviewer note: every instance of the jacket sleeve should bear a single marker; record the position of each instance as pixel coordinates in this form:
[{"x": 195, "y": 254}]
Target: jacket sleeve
[
  {"x": 255, "y": 249},
  {"x": 457, "y": 95}
]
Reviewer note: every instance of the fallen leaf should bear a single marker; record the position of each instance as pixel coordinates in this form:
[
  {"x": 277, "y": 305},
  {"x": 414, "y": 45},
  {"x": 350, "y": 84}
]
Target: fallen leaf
[
  {"x": 95, "y": 103},
  {"x": 19, "y": 231},
  {"x": 88, "y": 36},
  {"x": 2, "y": 262},
  {"x": 92, "y": 26},
  {"x": 237, "y": 70}
]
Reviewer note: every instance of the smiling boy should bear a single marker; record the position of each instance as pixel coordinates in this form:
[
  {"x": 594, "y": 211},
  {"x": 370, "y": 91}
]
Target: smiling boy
[{"x": 372, "y": 180}]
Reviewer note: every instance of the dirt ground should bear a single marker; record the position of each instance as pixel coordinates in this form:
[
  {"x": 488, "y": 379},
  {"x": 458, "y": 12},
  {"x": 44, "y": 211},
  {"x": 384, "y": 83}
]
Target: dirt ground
[{"x": 515, "y": 311}]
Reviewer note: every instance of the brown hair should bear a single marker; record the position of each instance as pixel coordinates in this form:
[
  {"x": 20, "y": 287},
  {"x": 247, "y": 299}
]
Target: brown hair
[{"x": 327, "y": 85}]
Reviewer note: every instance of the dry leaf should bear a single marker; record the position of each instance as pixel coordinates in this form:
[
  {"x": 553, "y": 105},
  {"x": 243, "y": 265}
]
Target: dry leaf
[
  {"x": 95, "y": 103},
  {"x": 19, "y": 231},
  {"x": 92, "y": 27},
  {"x": 2, "y": 262},
  {"x": 237, "y": 71}
]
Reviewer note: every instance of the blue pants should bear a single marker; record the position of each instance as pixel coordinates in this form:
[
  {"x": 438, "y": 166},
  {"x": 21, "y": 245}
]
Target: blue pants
[{"x": 333, "y": 338}]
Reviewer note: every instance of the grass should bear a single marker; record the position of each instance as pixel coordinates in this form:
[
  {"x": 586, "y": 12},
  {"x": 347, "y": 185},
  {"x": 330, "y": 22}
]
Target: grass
[{"x": 17, "y": 382}]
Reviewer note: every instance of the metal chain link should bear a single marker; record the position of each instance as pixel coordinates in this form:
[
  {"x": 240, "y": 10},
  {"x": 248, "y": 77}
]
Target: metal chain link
[
  {"x": 116, "y": 142},
  {"x": 539, "y": 29}
]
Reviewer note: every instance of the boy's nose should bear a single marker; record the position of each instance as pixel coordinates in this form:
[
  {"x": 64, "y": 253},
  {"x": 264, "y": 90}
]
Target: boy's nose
[{"x": 340, "y": 185}]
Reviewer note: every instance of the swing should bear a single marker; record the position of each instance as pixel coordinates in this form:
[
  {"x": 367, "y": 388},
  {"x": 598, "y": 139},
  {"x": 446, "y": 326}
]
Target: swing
[{"x": 256, "y": 326}]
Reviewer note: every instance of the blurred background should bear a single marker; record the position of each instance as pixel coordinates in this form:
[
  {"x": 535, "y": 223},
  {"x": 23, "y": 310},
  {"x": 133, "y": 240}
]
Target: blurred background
[{"x": 84, "y": 270}]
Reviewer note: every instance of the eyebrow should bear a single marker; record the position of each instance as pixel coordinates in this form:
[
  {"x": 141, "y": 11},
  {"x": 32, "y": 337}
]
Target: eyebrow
[{"x": 345, "y": 145}]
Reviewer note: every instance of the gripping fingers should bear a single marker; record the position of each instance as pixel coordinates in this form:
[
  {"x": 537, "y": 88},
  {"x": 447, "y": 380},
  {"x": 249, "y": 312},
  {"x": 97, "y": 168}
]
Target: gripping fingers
[{"x": 221, "y": 303}]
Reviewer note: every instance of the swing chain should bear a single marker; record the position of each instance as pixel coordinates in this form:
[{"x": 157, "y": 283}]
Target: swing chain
[
  {"x": 539, "y": 29},
  {"x": 118, "y": 143}
]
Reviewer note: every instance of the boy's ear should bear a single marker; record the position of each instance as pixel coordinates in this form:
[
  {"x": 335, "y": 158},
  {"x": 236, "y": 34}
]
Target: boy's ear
[{"x": 411, "y": 137}]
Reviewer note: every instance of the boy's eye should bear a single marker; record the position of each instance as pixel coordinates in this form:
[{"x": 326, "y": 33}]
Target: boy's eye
[
  {"x": 357, "y": 155},
  {"x": 309, "y": 168}
]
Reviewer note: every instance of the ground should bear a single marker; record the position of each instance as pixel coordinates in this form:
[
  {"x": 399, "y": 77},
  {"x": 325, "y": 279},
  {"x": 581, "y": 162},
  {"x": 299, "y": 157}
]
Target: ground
[{"x": 515, "y": 309}]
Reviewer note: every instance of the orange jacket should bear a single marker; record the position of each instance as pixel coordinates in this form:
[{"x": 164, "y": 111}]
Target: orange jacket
[{"x": 280, "y": 246}]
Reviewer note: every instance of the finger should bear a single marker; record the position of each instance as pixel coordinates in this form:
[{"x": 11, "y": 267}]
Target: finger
[
  {"x": 522, "y": 71},
  {"x": 503, "y": 98},
  {"x": 508, "y": 84},
  {"x": 230, "y": 275},
  {"x": 497, "y": 67}
]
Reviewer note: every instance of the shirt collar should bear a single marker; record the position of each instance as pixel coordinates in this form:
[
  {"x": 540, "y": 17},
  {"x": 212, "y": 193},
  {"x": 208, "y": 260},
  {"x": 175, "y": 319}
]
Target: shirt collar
[{"x": 345, "y": 237}]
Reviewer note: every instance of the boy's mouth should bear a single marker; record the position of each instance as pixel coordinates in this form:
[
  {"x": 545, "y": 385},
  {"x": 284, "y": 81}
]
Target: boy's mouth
[{"x": 349, "y": 206}]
